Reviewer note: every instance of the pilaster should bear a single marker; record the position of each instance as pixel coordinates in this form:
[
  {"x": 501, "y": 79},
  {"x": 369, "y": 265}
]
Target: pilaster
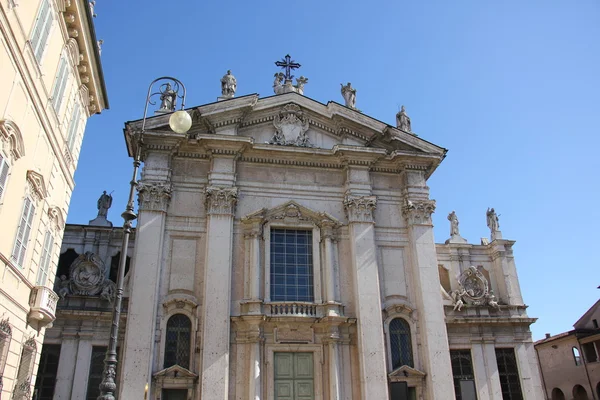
[
  {"x": 252, "y": 264},
  {"x": 82, "y": 368},
  {"x": 485, "y": 366},
  {"x": 371, "y": 347},
  {"x": 506, "y": 272},
  {"x": 140, "y": 335},
  {"x": 220, "y": 208},
  {"x": 66, "y": 366},
  {"x": 434, "y": 350}
]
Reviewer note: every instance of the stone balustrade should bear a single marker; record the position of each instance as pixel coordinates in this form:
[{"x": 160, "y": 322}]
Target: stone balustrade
[
  {"x": 292, "y": 309},
  {"x": 43, "y": 303}
]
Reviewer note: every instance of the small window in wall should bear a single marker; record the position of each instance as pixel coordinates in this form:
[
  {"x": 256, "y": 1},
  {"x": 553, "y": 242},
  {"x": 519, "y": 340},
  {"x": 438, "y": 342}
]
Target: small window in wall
[
  {"x": 22, "y": 239},
  {"x": 589, "y": 352},
  {"x": 576, "y": 356},
  {"x": 41, "y": 30},
  {"x": 114, "y": 266},
  {"x": 508, "y": 372},
  {"x": 178, "y": 341},
  {"x": 444, "y": 278},
  {"x": 45, "y": 259},
  {"x": 462, "y": 373},
  {"x": 45, "y": 381},
  {"x": 595, "y": 323},
  {"x": 95, "y": 375},
  {"x": 4, "y": 169},
  {"x": 400, "y": 343},
  {"x": 291, "y": 265}
]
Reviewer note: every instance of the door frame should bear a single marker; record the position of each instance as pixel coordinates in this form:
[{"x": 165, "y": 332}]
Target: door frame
[{"x": 317, "y": 351}]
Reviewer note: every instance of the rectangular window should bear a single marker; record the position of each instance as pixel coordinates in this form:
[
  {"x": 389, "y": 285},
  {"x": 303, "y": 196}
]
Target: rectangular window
[
  {"x": 95, "y": 375},
  {"x": 45, "y": 259},
  {"x": 41, "y": 30},
  {"x": 60, "y": 83},
  {"x": 589, "y": 352},
  {"x": 25, "y": 372},
  {"x": 73, "y": 127},
  {"x": 291, "y": 265},
  {"x": 509, "y": 374},
  {"x": 462, "y": 372},
  {"x": 4, "y": 168},
  {"x": 47, "y": 371},
  {"x": 18, "y": 254}
]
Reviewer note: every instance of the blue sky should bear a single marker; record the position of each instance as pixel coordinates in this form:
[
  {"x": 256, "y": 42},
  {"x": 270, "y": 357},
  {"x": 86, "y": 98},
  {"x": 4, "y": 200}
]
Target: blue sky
[{"x": 511, "y": 88}]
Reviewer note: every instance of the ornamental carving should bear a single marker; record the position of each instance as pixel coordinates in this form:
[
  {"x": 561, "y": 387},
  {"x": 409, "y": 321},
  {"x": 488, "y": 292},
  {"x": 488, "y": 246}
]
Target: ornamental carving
[
  {"x": 36, "y": 185},
  {"x": 221, "y": 201},
  {"x": 154, "y": 196},
  {"x": 418, "y": 212},
  {"x": 10, "y": 133},
  {"x": 56, "y": 217},
  {"x": 473, "y": 290},
  {"x": 360, "y": 209},
  {"x": 87, "y": 277},
  {"x": 5, "y": 327},
  {"x": 291, "y": 126}
]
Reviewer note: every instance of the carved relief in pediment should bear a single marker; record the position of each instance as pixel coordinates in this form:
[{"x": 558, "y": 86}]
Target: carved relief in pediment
[
  {"x": 291, "y": 125},
  {"x": 87, "y": 277}
]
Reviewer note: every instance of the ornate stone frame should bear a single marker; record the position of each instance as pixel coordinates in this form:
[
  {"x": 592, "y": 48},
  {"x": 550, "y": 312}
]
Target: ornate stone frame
[
  {"x": 180, "y": 304},
  {"x": 174, "y": 377},
  {"x": 11, "y": 134},
  {"x": 407, "y": 314},
  {"x": 318, "y": 362}
]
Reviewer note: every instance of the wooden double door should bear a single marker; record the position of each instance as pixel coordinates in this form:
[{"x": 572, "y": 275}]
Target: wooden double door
[{"x": 294, "y": 376}]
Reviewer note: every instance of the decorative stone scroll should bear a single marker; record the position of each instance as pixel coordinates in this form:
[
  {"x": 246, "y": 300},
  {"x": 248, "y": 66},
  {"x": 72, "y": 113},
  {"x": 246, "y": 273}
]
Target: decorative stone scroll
[
  {"x": 10, "y": 133},
  {"x": 291, "y": 126},
  {"x": 36, "y": 184},
  {"x": 418, "y": 212},
  {"x": 87, "y": 277},
  {"x": 473, "y": 289},
  {"x": 154, "y": 196},
  {"x": 360, "y": 209},
  {"x": 221, "y": 201}
]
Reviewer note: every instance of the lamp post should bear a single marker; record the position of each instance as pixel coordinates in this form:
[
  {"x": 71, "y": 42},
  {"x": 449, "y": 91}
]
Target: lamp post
[{"x": 180, "y": 122}]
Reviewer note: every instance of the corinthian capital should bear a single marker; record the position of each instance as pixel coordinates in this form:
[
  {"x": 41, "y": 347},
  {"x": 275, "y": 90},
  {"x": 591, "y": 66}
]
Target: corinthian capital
[
  {"x": 221, "y": 201},
  {"x": 418, "y": 212},
  {"x": 154, "y": 196},
  {"x": 360, "y": 209}
]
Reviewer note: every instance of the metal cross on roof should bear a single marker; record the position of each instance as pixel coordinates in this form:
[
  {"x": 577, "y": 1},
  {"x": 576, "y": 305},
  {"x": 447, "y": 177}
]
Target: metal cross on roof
[{"x": 288, "y": 64}]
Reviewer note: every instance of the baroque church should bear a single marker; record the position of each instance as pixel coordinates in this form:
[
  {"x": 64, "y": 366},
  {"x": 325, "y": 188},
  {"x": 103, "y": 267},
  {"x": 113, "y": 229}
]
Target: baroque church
[{"x": 284, "y": 250}]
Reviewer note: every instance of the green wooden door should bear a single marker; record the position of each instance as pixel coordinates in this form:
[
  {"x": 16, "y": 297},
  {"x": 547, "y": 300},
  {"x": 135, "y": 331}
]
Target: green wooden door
[{"x": 294, "y": 376}]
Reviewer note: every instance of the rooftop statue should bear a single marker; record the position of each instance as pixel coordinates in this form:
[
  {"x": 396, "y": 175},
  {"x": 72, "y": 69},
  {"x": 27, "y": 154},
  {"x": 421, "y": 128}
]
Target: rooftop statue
[
  {"x": 284, "y": 81},
  {"x": 228, "y": 85},
  {"x": 403, "y": 120},
  {"x": 349, "y": 95}
]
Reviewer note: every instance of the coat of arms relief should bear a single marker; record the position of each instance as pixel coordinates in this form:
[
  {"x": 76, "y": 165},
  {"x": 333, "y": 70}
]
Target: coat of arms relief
[
  {"x": 473, "y": 289},
  {"x": 291, "y": 126}
]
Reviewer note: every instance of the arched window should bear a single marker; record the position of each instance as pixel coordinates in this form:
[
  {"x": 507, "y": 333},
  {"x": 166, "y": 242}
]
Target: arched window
[
  {"x": 576, "y": 356},
  {"x": 579, "y": 393},
  {"x": 557, "y": 394},
  {"x": 177, "y": 344},
  {"x": 400, "y": 343}
]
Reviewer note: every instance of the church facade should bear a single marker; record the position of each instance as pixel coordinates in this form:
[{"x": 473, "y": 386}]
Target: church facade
[{"x": 284, "y": 249}]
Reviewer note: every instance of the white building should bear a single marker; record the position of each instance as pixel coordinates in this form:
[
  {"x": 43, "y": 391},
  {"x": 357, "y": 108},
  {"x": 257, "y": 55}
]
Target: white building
[{"x": 284, "y": 250}]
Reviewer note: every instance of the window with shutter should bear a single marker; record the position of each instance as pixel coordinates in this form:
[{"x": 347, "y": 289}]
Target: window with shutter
[
  {"x": 18, "y": 254},
  {"x": 41, "y": 30},
  {"x": 44, "y": 266},
  {"x": 4, "y": 168},
  {"x": 73, "y": 127},
  {"x": 60, "y": 83},
  {"x": 22, "y": 389}
]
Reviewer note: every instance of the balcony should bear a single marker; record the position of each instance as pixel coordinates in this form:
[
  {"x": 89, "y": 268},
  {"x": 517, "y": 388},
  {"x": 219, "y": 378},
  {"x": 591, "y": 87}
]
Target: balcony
[
  {"x": 43, "y": 306},
  {"x": 303, "y": 309}
]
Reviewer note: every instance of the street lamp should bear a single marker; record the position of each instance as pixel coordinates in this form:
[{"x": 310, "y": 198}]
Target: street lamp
[{"x": 180, "y": 122}]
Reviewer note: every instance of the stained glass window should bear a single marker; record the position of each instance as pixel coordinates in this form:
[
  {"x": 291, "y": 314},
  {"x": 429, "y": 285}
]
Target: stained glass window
[
  {"x": 509, "y": 374},
  {"x": 291, "y": 265},
  {"x": 178, "y": 341},
  {"x": 400, "y": 343}
]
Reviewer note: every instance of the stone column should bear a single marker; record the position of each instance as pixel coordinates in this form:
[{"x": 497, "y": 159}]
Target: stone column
[
  {"x": 506, "y": 272},
  {"x": 434, "y": 351},
  {"x": 333, "y": 355},
  {"x": 82, "y": 368},
  {"x": 252, "y": 264},
  {"x": 139, "y": 344},
  {"x": 66, "y": 366},
  {"x": 371, "y": 348},
  {"x": 329, "y": 262},
  {"x": 220, "y": 206}
]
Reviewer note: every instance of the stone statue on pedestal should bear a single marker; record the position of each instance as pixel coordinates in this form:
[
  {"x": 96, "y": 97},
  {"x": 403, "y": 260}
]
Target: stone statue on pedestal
[
  {"x": 167, "y": 99},
  {"x": 453, "y": 224},
  {"x": 103, "y": 204},
  {"x": 493, "y": 223},
  {"x": 349, "y": 95},
  {"x": 403, "y": 120},
  {"x": 228, "y": 85}
]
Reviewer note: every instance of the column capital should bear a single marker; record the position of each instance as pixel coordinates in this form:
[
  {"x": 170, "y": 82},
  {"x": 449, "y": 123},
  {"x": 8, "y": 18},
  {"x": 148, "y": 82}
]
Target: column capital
[
  {"x": 154, "y": 196},
  {"x": 221, "y": 200},
  {"x": 418, "y": 212},
  {"x": 360, "y": 208}
]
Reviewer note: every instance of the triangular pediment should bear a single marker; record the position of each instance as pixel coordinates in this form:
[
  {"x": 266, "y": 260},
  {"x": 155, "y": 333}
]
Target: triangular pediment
[
  {"x": 585, "y": 322},
  {"x": 292, "y": 120},
  {"x": 292, "y": 212},
  {"x": 407, "y": 372},
  {"x": 175, "y": 371}
]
